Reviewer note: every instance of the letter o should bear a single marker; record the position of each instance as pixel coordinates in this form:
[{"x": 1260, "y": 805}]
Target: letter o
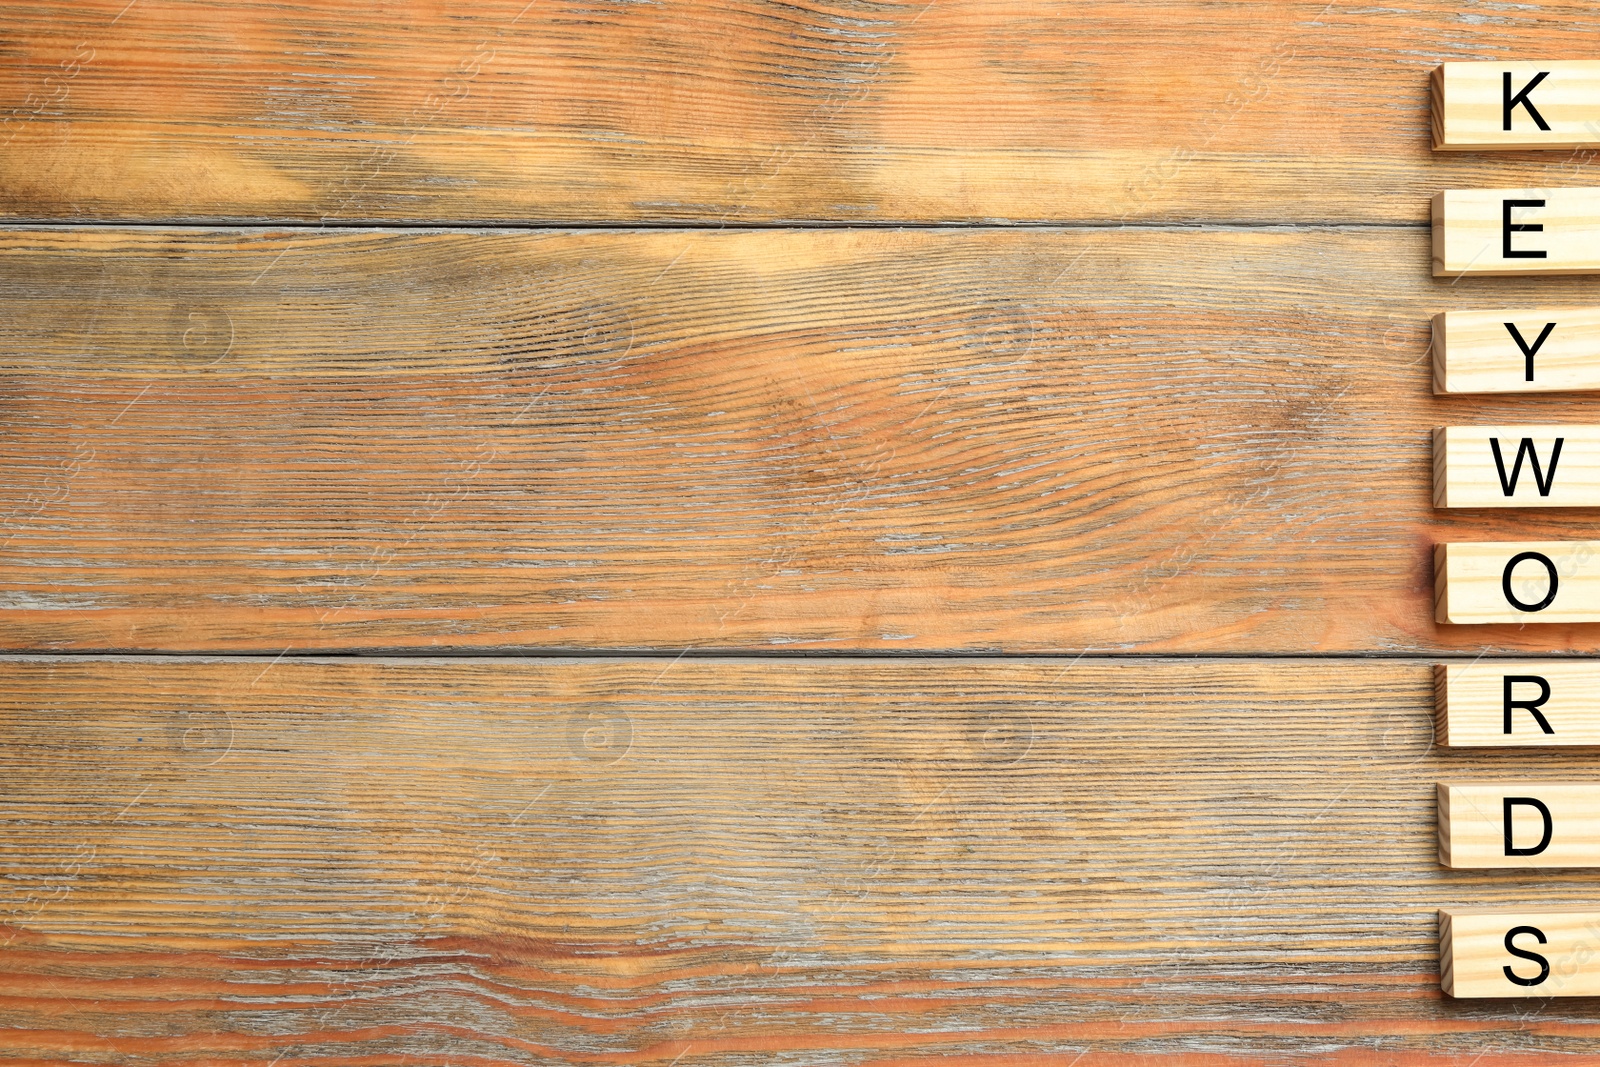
[{"x": 1550, "y": 569}]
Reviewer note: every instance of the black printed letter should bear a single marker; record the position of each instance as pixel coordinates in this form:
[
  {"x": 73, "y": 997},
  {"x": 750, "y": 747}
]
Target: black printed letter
[
  {"x": 1542, "y": 479},
  {"x": 1505, "y": 581},
  {"x": 1506, "y": 804},
  {"x": 1529, "y": 352},
  {"x": 1522, "y": 98},
  {"x": 1507, "y": 251},
  {"x": 1530, "y": 706},
  {"x": 1522, "y": 953}
]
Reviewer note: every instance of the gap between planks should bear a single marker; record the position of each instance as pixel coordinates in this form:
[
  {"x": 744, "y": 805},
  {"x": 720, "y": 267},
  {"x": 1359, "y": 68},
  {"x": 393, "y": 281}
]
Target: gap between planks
[
  {"x": 702, "y": 655},
  {"x": 536, "y": 226}
]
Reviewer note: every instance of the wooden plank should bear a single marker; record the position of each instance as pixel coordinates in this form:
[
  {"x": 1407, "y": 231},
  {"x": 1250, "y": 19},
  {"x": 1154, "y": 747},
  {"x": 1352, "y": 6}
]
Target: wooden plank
[
  {"x": 1516, "y": 231},
  {"x": 1518, "y": 703},
  {"x": 1550, "y": 350},
  {"x": 1517, "y": 581},
  {"x": 1113, "y": 439},
  {"x": 638, "y": 861},
  {"x": 1554, "y": 953},
  {"x": 1496, "y": 104},
  {"x": 1516, "y": 466},
  {"x": 561, "y": 111},
  {"x": 1519, "y": 824}
]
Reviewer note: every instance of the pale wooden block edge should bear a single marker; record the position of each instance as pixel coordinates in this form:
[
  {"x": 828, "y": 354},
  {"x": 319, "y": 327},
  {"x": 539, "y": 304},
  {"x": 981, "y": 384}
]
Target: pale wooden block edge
[
  {"x": 1441, "y": 477},
  {"x": 1441, "y": 583},
  {"x": 1436, "y": 95},
  {"x": 1441, "y": 704},
  {"x": 1437, "y": 343},
  {"x": 1442, "y": 795},
  {"x": 1437, "y": 212},
  {"x": 1447, "y": 968}
]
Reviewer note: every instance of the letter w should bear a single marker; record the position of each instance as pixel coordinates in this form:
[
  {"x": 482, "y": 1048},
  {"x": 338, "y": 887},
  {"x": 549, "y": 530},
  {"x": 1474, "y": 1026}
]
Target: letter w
[{"x": 1543, "y": 479}]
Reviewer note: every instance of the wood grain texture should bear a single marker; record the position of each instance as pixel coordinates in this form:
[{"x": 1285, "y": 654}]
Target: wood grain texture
[
  {"x": 1118, "y": 439},
  {"x": 1560, "y": 234},
  {"x": 1477, "y": 352},
  {"x": 851, "y": 110},
  {"x": 717, "y": 862},
  {"x": 1559, "y": 467},
  {"x": 1470, "y": 103},
  {"x": 1472, "y": 823},
  {"x": 1471, "y": 707}
]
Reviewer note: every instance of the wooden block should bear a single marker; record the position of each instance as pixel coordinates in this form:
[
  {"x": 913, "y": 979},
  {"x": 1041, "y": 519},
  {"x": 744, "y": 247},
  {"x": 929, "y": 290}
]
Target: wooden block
[
  {"x": 1516, "y": 466},
  {"x": 1516, "y": 105},
  {"x": 1529, "y": 703},
  {"x": 1516, "y": 351},
  {"x": 1519, "y": 824},
  {"x": 1517, "y": 581},
  {"x": 1516, "y": 231},
  {"x": 1532, "y": 953}
]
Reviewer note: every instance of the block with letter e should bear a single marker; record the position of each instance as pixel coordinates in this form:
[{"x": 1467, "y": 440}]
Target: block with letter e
[{"x": 1516, "y": 231}]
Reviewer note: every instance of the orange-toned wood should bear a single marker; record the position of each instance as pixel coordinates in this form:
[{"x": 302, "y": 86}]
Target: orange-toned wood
[
  {"x": 560, "y": 110},
  {"x": 643, "y": 861},
  {"x": 1117, "y": 439}
]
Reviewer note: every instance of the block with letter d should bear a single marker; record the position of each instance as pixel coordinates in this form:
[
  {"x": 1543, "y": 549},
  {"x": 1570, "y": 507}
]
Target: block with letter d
[{"x": 1519, "y": 824}]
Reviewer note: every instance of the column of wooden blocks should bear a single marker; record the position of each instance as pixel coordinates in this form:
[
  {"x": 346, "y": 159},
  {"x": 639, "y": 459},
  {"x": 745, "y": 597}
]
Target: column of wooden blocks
[
  {"x": 1499, "y": 824},
  {"x": 1510, "y": 953}
]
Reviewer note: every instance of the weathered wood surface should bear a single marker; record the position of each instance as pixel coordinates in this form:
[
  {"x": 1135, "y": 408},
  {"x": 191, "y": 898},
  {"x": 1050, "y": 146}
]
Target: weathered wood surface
[
  {"x": 714, "y": 862},
  {"x": 559, "y": 110},
  {"x": 1112, "y": 439}
]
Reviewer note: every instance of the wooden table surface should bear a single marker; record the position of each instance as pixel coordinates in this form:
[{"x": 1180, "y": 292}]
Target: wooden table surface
[{"x": 684, "y": 533}]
